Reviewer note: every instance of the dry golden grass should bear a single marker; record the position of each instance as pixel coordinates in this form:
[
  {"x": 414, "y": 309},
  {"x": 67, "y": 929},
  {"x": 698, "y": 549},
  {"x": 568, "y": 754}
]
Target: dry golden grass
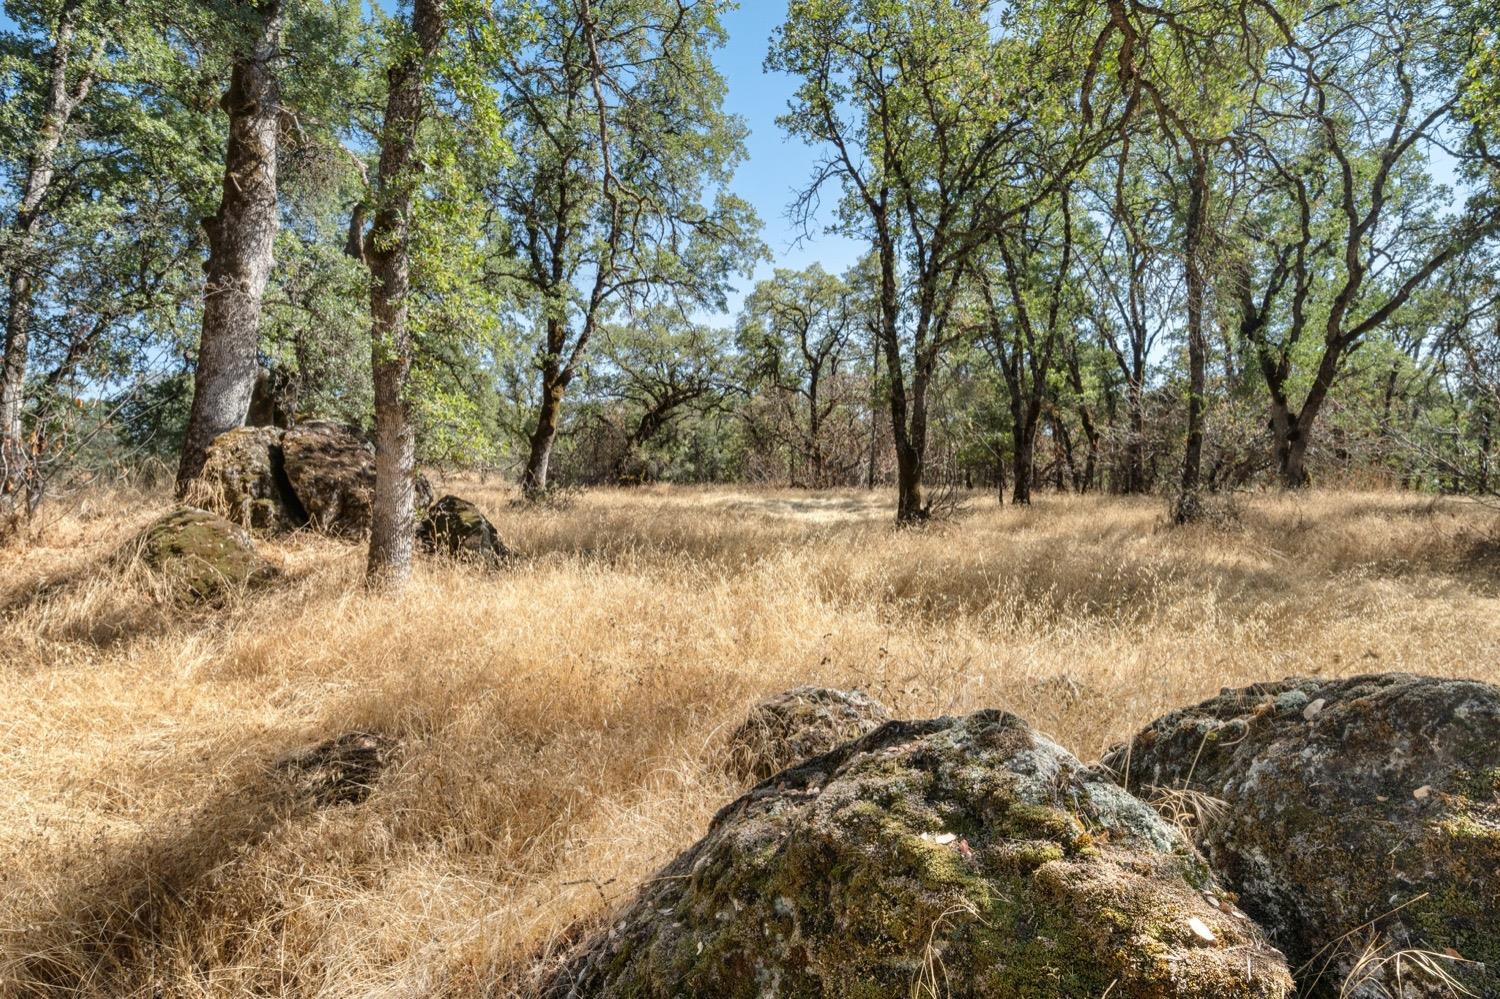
[{"x": 561, "y": 722}]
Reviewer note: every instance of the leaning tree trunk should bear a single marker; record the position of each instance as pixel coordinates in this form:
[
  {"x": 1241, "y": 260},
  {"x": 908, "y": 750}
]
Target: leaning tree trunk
[
  {"x": 241, "y": 241},
  {"x": 62, "y": 99},
  {"x": 1188, "y": 499},
  {"x": 392, "y": 519}
]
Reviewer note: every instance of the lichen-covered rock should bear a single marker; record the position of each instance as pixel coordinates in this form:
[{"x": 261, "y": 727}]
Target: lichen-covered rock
[
  {"x": 455, "y": 527},
  {"x": 341, "y": 770},
  {"x": 1368, "y": 805},
  {"x": 970, "y": 856},
  {"x": 244, "y": 480},
  {"x": 202, "y": 555},
  {"x": 332, "y": 472},
  {"x": 798, "y": 724}
]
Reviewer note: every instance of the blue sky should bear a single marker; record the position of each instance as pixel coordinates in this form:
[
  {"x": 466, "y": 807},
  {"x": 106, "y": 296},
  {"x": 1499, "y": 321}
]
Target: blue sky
[{"x": 778, "y": 166}]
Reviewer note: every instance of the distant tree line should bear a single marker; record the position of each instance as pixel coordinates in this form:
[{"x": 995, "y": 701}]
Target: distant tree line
[{"x": 1132, "y": 247}]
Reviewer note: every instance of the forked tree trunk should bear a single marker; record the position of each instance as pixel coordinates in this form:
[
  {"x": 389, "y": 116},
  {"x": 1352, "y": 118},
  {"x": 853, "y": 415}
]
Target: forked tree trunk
[
  {"x": 1289, "y": 441},
  {"x": 392, "y": 520},
  {"x": 241, "y": 241},
  {"x": 908, "y": 421},
  {"x": 62, "y": 99}
]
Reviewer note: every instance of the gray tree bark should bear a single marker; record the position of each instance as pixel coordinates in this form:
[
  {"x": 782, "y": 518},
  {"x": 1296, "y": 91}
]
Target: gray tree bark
[
  {"x": 241, "y": 240},
  {"x": 388, "y": 255},
  {"x": 62, "y": 99},
  {"x": 1188, "y": 497}
]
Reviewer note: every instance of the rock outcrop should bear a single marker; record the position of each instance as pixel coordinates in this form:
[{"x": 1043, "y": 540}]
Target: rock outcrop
[
  {"x": 456, "y": 528},
  {"x": 970, "y": 856},
  {"x": 201, "y": 555},
  {"x": 1358, "y": 819},
  {"x": 798, "y": 724},
  {"x": 319, "y": 474},
  {"x": 244, "y": 479},
  {"x": 332, "y": 471}
]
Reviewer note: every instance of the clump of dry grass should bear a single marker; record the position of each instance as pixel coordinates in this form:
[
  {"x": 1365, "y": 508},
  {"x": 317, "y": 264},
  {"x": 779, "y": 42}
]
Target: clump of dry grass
[{"x": 561, "y": 723}]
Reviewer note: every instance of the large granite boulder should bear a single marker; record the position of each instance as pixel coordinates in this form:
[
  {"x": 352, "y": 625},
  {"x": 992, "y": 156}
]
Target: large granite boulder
[
  {"x": 456, "y": 528},
  {"x": 244, "y": 479},
  {"x": 201, "y": 555},
  {"x": 798, "y": 724},
  {"x": 1358, "y": 819},
  {"x": 962, "y": 856}
]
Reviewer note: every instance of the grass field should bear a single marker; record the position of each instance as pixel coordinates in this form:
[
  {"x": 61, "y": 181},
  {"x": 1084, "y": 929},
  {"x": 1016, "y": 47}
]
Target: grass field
[{"x": 561, "y": 722}]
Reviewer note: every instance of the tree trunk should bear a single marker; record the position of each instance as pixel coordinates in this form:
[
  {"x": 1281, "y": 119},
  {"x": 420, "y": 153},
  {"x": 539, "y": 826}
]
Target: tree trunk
[
  {"x": 1023, "y": 420},
  {"x": 1023, "y": 462},
  {"x": 15, "y": 457},
  {"x": 534, "y": 478},
  {"x": 910, "y": 504},
  {"x": 874, "y": 410},
  {"x": 1135, "y": 449},
  {"x": 62, "y": 99},
  {"x": 1188, "y": 499},
  {"x": 1289, "y": 441},
  {"x": 908, "y": 433},
  {"x": 241, "y": 241},
  {"x": 814, "y": 432},
  {"x": 1069, "y": 461},
  {"x": 392, "y": 517},
  {"x": 649, "y": 425},
  {"x": 1292, "y": 459}
]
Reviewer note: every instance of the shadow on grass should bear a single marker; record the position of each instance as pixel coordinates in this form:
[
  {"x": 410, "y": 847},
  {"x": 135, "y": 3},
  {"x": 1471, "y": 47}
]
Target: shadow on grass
[{"x": 141, "y": 908}]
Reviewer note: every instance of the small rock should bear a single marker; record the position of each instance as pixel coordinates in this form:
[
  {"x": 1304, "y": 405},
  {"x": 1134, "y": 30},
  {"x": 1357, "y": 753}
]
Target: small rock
[{"x": 798, "y": 724}]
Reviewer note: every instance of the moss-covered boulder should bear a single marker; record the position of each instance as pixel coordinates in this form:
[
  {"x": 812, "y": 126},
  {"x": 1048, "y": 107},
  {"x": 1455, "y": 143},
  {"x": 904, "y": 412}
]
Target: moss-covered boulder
[
  {"x": 244, "y": 480},
  {"x": 968, "y": 856},
  {"x": 798, "y": 724},
  {"x": 201, "y": 555},
  {"x": 456, "y": 528},
  {"x": 332, "y": 472},
  {"x": 1358, "y": 819}
]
